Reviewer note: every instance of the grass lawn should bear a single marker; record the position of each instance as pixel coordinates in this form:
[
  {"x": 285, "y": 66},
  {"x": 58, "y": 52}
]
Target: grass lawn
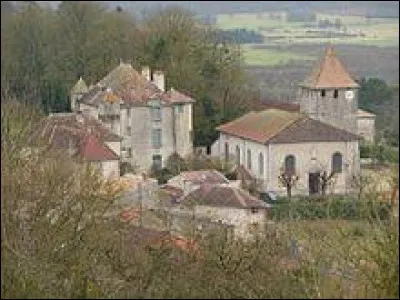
[
  {"x": 372, "y": 32},
  {"x": 269, "y": 57}
]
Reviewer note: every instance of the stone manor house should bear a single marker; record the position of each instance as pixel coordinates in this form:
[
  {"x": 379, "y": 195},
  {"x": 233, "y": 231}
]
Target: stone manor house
[
  {"x": 154, "y": 122},
  {"x": 323, "y": 134}
]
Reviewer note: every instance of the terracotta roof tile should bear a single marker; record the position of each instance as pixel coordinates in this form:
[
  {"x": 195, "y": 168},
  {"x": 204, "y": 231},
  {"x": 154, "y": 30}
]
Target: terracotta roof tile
[
  {"x": 79, "y": 121},
  {"x": 223, "y": 196},
  {"x": 94, "y": 150},
  {"x": 329, "y": 73},
  {"x": 278, "y": 105},
  {"x": 279, "y": 126},
  {"x": 204, "y": 176},
  {"x": 309, "y": 130},
  {"x": 260, "y": 126},
  {"x": 132, "y": 88}
]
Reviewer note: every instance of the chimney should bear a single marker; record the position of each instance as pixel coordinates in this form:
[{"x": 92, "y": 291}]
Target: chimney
[
  {"x": 146, "y": 72},
  {"x": 159, "y": 80}
]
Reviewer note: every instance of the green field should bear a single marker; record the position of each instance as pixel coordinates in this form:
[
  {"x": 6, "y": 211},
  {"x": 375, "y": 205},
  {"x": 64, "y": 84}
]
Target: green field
[
  {"x": 355, "y": 30},
  {"x": 269, "y": 57}
]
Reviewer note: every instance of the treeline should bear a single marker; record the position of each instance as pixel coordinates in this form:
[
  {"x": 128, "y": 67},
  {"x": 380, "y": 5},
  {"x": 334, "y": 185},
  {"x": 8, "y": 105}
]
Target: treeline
[
  {"x": 44, "y": 51},
  {"x": 59, "y": 242},
  {"x": 383, "y": 100},
  {"x": 241, "y": 36}
]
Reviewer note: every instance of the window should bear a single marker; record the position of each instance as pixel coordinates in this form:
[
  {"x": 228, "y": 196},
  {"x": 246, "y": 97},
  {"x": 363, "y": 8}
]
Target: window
[
  {"x": 180, "y": 108},
  {"x": 254, "y": 210},
  {"x": 226, "y": 151},
  {"x": 129, "y": 152},
  {"x": 156, "y": 138},
  {"x": 128, "y": 130},
  {"x": 290, "y": 165},
  {"x": 337, "y": 161},
  {"x": 191, "y": 136},
  {"x": 261, "y": 164},
  {"x": 335, "y": 93},
  {"x": 249, "y": 159},
  {"x": 238, "y": 155},
  {"x": 156, "y": 113},
  {"x": 157, "y": 162},
  {"x": 323, "y": 92}
]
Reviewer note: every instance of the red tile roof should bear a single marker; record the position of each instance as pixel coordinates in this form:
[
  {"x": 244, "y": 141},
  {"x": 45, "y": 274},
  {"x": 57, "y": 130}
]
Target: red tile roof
[
  {"x": 93, "y": 150},
  {"x": 131, "y": 88},
  {"x": 329, "y": 73},
  {"x": 204, "y": 176},
  {"x": 260, "y": 126},
  {"x": 279, "y": 126},
  {"x": 82, "y": 134},
  {"x": 279, "y": 105},
  {"x": 173, "y": 191},
  {"x": 223, "y": 196}
]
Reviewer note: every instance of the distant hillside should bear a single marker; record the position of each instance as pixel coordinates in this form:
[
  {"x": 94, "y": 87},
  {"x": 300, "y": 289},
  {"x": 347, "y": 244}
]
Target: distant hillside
[
  {"x": 367, "y": 8},
  {"x": 388, "y": 9}
]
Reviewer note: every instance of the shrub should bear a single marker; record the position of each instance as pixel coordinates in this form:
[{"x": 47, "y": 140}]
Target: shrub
[{"x": 333, "y": 208}]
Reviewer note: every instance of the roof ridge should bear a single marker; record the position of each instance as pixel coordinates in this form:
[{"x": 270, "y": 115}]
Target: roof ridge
[
  {"x": 238, "y": 196},
  {"x": 300, "y": 116}
]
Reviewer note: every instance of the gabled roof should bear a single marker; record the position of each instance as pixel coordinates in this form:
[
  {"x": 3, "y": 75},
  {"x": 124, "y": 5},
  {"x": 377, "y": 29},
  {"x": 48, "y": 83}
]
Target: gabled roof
[
  {"x": 91, "y": 149},
  {"x": 80, "y": 87},
  {"x": 123, "y": 77},
  {"x": 77, "y": 121},
  {"x": 204, "y": 176},
  {"x": 223, "y": 195},
  {"x": 82, "y": 134},
  {"x": 279, "y": 126},
  {"x": 329, "y": 73},
  {"x": 84, "y": 145},
  {"x": 306, "y": 130},
  {"x": 260, "y": 126},
  {"x": 133, "y": 89}
]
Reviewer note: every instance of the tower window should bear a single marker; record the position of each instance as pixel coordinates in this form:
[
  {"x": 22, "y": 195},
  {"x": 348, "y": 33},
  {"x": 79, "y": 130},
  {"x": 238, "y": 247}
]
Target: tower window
[
  {"x": 323, "y": 92},
  {"x": 335, "y": 93}
]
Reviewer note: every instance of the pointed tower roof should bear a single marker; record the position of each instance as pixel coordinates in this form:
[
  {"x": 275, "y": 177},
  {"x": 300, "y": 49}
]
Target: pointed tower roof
[
  {"x": 329, "y": 73},
  {"x": 80, "y": 86}
]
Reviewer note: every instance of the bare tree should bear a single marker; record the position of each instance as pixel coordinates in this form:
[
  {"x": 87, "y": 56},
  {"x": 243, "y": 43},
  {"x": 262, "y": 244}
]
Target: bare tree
[{"x": 288, "y": 180}]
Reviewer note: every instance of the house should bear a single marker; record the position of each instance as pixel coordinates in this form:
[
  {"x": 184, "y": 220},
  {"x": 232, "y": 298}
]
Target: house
[
  {"x": 191, "y": 180},
  {"x": 137, "y": 190},
  {"x": 84, "y": 138},
  {"x": 366, "y": 125},
  {"x": 228, "y": 205},
  {"x": 153, "y": 121},
  {"x": 273, "y": 141}
]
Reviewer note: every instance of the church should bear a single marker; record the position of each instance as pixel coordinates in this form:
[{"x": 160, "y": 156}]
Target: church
[{"x": 321, "y": 137}]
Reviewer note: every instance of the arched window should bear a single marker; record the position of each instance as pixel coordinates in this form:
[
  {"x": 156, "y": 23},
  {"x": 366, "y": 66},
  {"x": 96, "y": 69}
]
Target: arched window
[
  {"x": 337, "y": 162},
  {"x": 290, "y": 164},
  {"x": 226, "y": 151},
  {"x": 237, "y": 155},
  {"x": 261, "y": 164},
  {"x": 249, "y": 159}
]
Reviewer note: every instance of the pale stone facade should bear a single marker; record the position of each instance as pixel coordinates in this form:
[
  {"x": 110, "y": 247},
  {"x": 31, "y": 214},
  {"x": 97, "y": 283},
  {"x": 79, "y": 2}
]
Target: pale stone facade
[
  {"x": 129, "y": 112},
  {"x": 366, "y": 125},
  {"x": 245, "y": 221},
  {"x": 330, "y": 94},
  {"x": 309, "y": 157}
]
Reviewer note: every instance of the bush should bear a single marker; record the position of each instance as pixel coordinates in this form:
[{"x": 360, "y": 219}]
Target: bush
[{"x": 333, "y": 208}]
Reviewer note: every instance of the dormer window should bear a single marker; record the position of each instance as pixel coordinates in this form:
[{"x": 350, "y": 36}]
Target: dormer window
[{"x": 323, "y": 93}]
